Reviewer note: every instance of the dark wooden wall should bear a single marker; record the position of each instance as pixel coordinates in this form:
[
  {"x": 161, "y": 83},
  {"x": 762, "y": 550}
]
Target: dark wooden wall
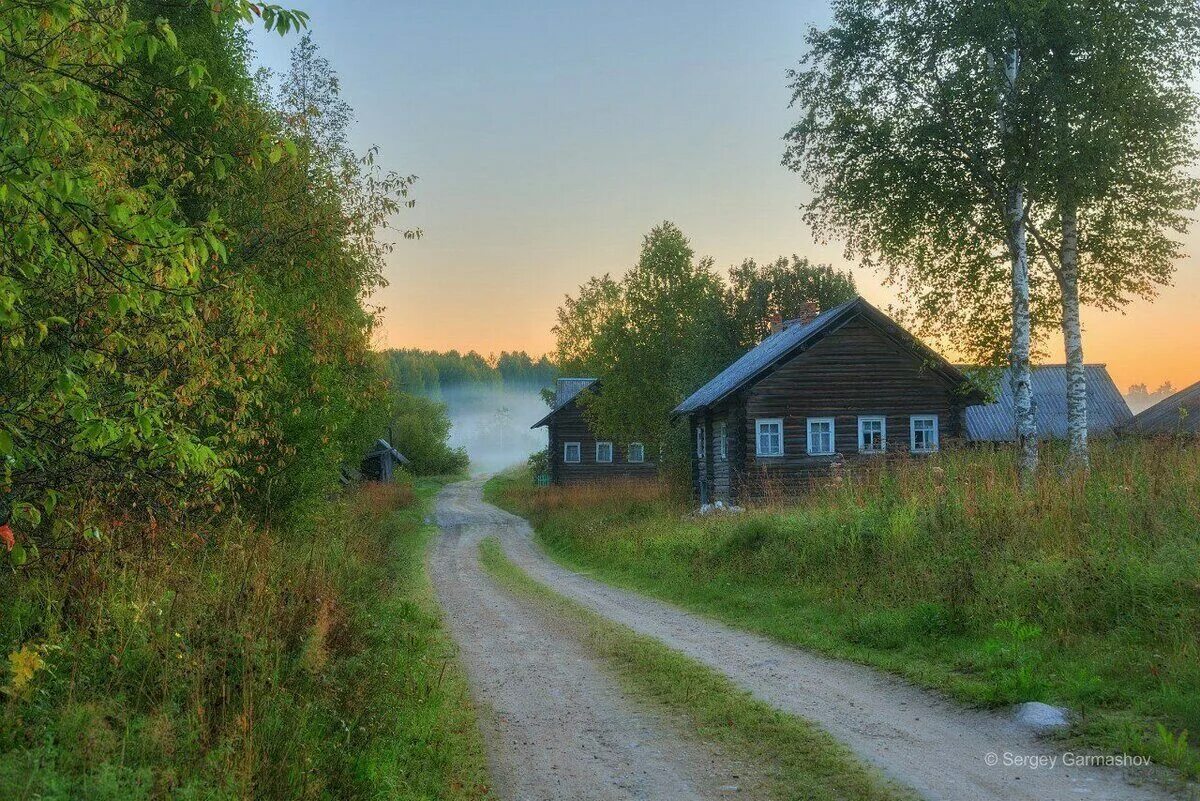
[{"x": 569, "y": 425}]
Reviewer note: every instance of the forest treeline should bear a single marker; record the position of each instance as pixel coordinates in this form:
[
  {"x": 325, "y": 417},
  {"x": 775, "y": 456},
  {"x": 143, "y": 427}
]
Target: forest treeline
[
  {"x": 189, "y": 607},
  {"x": 432, "y": 373}
]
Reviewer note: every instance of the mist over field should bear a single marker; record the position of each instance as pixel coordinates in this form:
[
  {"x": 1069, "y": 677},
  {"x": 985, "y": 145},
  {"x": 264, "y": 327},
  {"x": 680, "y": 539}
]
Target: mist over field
[{"x": 492, "y": 424}]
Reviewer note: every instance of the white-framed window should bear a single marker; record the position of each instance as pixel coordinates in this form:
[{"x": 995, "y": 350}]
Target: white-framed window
[
  {"x": 722, "y": 442},
  {"x": 635, "y": 453},
  {"x": 872, "y": 434},
  {"x": 700, "y": 442},
  {"x": 571, "y": 452},
  {"x": 820, "y": 436},
  {"x": 923, "y": 433},
  {"x": 768, "y": 437},
  {"x": 603, "y": 452}
]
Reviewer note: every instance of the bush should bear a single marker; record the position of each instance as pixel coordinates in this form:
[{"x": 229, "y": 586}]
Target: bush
[
  {"x": 421, "y": 428},
  {"x": 229, "y": 667}
]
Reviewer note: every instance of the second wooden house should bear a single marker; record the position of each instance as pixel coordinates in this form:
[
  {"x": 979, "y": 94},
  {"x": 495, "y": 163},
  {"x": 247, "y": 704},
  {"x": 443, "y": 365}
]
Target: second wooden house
[{"x": 576, "y": 454}]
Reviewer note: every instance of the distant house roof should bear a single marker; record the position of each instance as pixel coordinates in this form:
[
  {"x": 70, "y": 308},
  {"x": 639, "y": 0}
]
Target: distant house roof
[
  {"x": 995, "y": 422},
  {"x": 565, "y": 390},
  {"x": 796, "y": 336},
  {"x": 1176, "y": 414},
  {"x": 382, "y": 448}
]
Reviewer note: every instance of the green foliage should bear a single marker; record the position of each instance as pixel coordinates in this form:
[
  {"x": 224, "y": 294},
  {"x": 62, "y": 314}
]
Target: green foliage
[
  {"x": 911, "y": 138},
  {"x": 226, "y": 668},
  {"x": 420, "y": 428},
  {"x": 1079, "y": 593},
  {"x": 670, "y": 324},
  {"x": 434, "y": 374},
  {"x": 783, "y": 287},
  {"x": 186, "y": 362}
]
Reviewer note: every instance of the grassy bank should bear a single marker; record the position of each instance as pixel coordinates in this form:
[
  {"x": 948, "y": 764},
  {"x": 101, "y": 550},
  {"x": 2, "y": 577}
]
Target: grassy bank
[
  {"x": 300, "y": 664},
  {"x": 1081, "y": 593},
  {"x": 788, "y": 756}
]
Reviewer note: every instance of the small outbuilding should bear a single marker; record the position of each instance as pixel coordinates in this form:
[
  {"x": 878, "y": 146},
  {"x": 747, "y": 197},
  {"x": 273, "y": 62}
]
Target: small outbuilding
[
  {"x": 576, "y": 454},
  {"x": 381, "y": 463},
  {"x": 996, "y": 421},
  {"x": 1176, "y": 415}
]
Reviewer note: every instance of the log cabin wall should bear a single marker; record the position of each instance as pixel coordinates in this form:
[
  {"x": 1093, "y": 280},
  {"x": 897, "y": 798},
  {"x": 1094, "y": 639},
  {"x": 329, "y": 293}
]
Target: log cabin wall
[
  {"x": 857, "y": 370},
  {"x": 569, "y": 425}
]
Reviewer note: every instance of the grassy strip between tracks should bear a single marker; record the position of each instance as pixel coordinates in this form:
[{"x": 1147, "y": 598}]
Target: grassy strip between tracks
[{"x": 796, "y": 759}]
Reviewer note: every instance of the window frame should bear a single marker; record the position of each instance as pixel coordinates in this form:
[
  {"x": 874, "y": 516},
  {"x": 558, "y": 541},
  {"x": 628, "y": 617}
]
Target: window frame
[
  {"x": 808, "y": 430},
  {"x": 700, "y": 446},
  {"x": 609, "y": 460},
  {"x": 578, "y": 453},
  {"x": 912, "y": 433},
  {"x": 873, "y": 418},
  {"x": 722, "y": 435},
  {"x": 758, "y": 426},
  {"x": 641, "y": 453}
]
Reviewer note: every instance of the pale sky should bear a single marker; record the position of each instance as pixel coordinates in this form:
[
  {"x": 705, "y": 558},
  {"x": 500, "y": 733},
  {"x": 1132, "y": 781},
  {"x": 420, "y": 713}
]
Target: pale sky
[{"x": 550, "y": 137}]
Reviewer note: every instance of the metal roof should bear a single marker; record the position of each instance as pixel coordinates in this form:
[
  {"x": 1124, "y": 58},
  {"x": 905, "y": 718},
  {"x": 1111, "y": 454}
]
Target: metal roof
[
  {"x": 1174, "y": 414},
  {"x": 995, "y": 422},
  {"x": 780, "y": 345},
  {"x": 565, "y": 390}
]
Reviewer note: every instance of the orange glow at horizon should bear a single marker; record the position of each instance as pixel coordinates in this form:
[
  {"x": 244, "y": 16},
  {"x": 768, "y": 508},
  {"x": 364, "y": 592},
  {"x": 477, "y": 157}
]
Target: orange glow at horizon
[{"x": 1152, "y": 342}]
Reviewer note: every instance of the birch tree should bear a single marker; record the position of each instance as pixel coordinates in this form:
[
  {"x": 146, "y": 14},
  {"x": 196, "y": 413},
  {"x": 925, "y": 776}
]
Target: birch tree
[
  {"x": 1121, "y": 116},
  {"x": 915, "y": 139}
]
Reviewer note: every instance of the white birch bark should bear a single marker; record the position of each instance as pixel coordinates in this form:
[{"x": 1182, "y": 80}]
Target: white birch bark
[
  {"x": 1077, "y": 402},
  {"x": 1019, "y": 367}
]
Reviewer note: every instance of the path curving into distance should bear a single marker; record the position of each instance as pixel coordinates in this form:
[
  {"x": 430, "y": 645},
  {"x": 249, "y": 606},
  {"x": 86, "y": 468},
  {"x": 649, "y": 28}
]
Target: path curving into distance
[{"x": 557, "y": 727}]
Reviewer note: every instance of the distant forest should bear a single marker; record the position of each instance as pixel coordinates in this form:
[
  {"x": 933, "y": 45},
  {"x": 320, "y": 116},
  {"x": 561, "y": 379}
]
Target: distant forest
[{"x": 431, "y": 374}]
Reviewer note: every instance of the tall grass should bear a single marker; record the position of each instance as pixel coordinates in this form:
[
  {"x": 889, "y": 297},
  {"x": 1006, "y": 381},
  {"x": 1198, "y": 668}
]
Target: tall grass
[
  {"x": 1084, "y": 592},
  {"x": 239, "y": 663}
]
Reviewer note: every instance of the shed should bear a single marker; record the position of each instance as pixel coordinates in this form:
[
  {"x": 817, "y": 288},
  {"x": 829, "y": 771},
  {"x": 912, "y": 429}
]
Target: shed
[
  {"x": 996, "y": 421},
  {"x": 1176, "y": 414},
  {"x": 380, "y": 463}
]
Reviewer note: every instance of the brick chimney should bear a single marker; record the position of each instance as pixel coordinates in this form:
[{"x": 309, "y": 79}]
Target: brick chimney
[
  {"x": 776, "y": 321},
  {"x": 808, "y": 312}
]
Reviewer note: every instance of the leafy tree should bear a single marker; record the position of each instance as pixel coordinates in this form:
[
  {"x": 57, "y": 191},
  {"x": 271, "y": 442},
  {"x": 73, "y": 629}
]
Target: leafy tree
[
  {"x": 419, "y": 429},
  {"x": 915, "y": 139},
  {"x": 968, "y": 146},
  {"x": 1120, "y": 121},
  {"x": 670, "y": 324},
  {"x": 654, "y": 343},
  {"x": 784, "y": 287},
  {"x": 104, "y": 257}
]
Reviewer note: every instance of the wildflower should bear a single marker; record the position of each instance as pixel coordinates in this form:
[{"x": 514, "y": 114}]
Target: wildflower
[
  {"x": 7, "y": 537},
  {"x": 25, "y": 663}
]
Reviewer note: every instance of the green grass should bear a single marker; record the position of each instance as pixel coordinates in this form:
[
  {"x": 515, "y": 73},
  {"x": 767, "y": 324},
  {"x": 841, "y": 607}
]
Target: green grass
[
  {"x": 301, "y": 664},
  {"x": 1081, "y": 593},
  {"x": 794, "y": 758}
]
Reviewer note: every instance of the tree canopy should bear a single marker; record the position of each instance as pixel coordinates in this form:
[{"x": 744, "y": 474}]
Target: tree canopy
[{"x": 671, "y": 323}]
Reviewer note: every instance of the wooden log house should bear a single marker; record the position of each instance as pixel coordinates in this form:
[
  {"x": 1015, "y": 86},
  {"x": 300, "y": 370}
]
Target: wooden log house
[
  {"x": 848, "y": 384},
  {"x": 826, "y": 391},
  {"x": 576, "y": 455}
]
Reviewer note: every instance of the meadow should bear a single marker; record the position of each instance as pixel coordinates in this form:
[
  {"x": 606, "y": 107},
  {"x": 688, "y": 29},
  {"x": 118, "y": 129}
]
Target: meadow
[
  {"x": 1081, "y": 592},
  {"x": 240, "y": 663}
]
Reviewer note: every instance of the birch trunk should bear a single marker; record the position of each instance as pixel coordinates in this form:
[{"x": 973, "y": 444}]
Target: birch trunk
[
  {"x": 1077, "y": 402},
  {"x": 1019, "y": 367}
]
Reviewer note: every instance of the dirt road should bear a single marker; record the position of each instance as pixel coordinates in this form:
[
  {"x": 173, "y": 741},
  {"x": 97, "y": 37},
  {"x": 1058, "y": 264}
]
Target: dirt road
[
  {"x": 556, "y": 725},
  {"x": 556, "y": 718}
]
